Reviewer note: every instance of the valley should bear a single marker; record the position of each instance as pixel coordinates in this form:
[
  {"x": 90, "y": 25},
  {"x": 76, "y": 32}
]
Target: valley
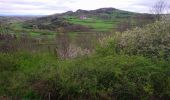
[{"x": 102, "y": 54}]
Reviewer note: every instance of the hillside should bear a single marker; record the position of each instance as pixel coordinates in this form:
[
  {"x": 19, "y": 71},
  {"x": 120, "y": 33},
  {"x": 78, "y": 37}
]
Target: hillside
[
  {"x": 102, "y": 13},
  {"x": 103, "y": 19},
  {"x": 12, "y": 19}
]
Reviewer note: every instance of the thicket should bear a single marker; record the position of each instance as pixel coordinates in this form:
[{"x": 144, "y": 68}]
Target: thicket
[
  {"x": 152, "y": 41},
  {"x": 133, "y": 65}
]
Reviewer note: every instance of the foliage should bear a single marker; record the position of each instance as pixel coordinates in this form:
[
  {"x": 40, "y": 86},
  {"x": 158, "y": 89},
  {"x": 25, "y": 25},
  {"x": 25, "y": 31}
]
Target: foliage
[
  {"x": 123, "y": 67},
  {"x": 122, "y": 77},
  {"x": 153, "y": 40}
]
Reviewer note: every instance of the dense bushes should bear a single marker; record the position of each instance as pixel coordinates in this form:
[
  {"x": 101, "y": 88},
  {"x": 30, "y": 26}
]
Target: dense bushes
[
  {"x": 121, "y": 69},
  {"x": 21, "y": 72},
  {"x": 6, "y": 42},
  {"x": 152, "y": 41},
  {"x": 8, "y": 66},
  {"x": 119, "y": 77}
]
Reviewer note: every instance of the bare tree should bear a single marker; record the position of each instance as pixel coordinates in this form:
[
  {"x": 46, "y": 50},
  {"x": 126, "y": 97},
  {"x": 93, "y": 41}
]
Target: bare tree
[
  {"x": 159, "y": 8},
  {"x": 63, "y": 44}
]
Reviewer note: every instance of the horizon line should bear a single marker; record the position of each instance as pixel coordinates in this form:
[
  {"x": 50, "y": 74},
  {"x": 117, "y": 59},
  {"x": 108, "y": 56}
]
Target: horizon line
[{"x": 7, "y": 14}]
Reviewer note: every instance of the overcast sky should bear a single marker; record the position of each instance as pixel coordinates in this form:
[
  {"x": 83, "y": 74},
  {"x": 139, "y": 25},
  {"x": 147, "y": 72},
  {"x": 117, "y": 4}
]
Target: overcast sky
[{"x": 47, "y": 7}]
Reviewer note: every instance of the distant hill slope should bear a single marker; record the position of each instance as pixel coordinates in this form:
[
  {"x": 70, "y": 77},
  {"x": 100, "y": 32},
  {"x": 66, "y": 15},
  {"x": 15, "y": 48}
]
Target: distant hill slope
[
  {"x": 8, "y": 23},
  {"x": 102, "y": 13},
  {"x": 103, "y": 19},
  {"x": 53, "y": 23},
  {"x": 47, "y": 22},
  {"x": 12, "y": 19}
]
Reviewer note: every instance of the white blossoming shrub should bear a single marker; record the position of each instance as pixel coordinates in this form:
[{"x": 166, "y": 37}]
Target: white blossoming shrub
[{"x": 152, "y": 40}]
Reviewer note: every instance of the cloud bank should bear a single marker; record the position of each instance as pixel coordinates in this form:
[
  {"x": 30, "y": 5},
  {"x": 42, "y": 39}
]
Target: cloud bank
[{"x": 47, "y": 7}]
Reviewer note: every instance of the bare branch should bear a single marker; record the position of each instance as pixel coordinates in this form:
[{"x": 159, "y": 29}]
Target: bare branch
[{"x": 159, "y": 8}]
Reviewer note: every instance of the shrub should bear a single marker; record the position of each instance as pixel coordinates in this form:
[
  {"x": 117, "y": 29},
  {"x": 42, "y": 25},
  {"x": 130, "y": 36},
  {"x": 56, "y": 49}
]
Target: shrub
[
  {"x": 123, "y": 68},
  {"x": 8, "y": 66},
  {"x": 152, "y": 40},
  {"x": 26, "y": 73}
]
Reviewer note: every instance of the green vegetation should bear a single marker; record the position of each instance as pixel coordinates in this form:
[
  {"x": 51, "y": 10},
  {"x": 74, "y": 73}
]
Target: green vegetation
[
  {"x": 35, "y": 76},
  {"x": 133, "y": 65},
  {"x": 94, "y": 23},
  {"x": 152, "y": 41},
  {"x": 104, "y": 19},
  {"x": 66, "y": 57}
]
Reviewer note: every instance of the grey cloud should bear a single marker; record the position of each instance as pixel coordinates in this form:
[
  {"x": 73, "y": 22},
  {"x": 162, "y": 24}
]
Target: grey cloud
[
  {"x": 18, "y": 2},
  {"x": 149, "y": 3},
  {"x": 55, "y": 6}
]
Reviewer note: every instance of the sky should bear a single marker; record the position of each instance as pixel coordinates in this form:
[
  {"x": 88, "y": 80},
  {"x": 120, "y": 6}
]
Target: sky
[{"x": 48, "y": 7}]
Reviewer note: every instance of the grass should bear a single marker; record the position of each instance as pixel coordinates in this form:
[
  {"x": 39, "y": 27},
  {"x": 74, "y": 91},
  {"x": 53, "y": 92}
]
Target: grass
[
  {"x": 95, "y": 23},
  {"x": 35, "y": 33},
  {"x": 17, "y": 25},
  {"x": 18, "y": 28},
  {"x": 101, "y": 24},
  {"x": 42, "y": 33}
]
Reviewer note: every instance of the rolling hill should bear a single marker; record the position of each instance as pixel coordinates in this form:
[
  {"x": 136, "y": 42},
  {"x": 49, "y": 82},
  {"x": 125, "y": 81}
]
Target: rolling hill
[
  {"x": 103, "y": 19},
  {"x": 99, "y": 20}
]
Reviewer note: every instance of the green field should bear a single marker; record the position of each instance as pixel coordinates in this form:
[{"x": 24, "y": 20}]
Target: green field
[{"x": 95, "y": 23}]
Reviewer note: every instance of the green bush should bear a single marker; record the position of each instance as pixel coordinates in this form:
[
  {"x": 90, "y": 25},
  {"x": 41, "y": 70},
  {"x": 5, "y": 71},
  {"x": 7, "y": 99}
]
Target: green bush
[
  {"x": 153, "y": 40},
  {"x": 118, "y": 76},
  {"x": 7, "y": 63},
  {"x": 121, "y": 76},
  {"x": 8, "y": 66},
  {"x": 122, "y": 69},
  {"x": 24, "y": 72}
]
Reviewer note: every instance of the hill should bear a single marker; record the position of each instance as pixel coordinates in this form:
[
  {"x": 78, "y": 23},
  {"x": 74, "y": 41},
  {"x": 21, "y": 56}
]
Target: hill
[
  {"x": 103, "y": 19},
  {"x": 102, "y": 13},
  {"x": 12, "y": 19}
]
